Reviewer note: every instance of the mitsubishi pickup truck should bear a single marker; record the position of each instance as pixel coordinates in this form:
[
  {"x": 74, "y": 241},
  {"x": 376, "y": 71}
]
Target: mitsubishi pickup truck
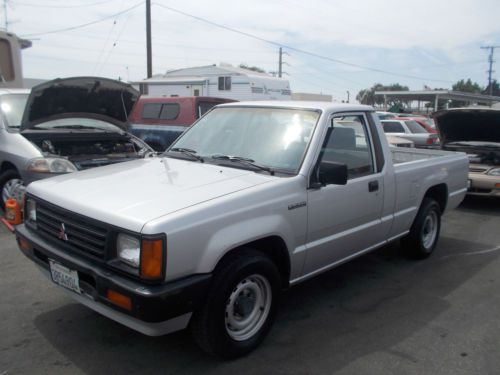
[{"x": 252, "y": 199}]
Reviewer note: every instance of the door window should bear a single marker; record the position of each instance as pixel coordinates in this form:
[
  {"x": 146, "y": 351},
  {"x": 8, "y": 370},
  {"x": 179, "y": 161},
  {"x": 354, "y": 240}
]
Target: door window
[{"x": 347, "y": 142}]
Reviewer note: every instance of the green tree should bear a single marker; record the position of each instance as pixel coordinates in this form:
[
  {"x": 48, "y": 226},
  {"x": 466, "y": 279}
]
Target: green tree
[
  {"x": 495, "y": 90},
  {"x": 252, "y": 68},
  {"x": 367, "y": 96},
  {"x": 467, "y": 86}
]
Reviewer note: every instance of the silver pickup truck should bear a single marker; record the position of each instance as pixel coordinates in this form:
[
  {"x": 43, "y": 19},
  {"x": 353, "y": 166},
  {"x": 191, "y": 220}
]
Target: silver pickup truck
[{"x": 252, "y": 199}]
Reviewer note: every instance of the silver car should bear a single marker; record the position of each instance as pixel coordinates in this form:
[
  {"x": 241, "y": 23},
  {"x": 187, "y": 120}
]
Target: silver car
[
  {"x": 64, "y": 126},
  {"x": 412, "y": 131}
]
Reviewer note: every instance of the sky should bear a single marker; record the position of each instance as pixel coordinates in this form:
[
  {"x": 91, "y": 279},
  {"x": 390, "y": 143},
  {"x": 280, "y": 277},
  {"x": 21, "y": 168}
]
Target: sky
[{"x": 331, "y": 47}]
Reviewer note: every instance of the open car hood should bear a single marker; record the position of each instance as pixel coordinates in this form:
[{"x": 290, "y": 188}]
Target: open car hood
[
  {"x": 88, "y": 97},
  {"x": 468, "y": 124}
]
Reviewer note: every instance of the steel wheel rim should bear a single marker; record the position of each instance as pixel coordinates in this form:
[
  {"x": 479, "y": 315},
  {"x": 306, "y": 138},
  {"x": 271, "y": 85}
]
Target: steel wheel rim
[
  {"x": 9, "y": 188},
  {"x": 248, "y": 307},
  {"x": 429, "y": 230}
]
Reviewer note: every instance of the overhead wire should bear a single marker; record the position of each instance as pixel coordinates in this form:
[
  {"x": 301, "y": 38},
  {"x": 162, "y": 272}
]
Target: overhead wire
[
  {"x": 313, "y": 54},
  {"x": 84, "y": 24}
]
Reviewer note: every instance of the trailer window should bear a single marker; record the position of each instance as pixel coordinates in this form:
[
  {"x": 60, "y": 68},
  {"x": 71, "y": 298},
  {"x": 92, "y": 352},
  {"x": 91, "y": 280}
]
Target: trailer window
[{"x": 224, "y": 83}]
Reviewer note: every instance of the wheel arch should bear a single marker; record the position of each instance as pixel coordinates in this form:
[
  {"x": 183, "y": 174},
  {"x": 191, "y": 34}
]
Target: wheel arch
[
  {"x": 6, "y": 165},
  {"x": 273, "y": 246},
  {"x": 440, "y": 194}
]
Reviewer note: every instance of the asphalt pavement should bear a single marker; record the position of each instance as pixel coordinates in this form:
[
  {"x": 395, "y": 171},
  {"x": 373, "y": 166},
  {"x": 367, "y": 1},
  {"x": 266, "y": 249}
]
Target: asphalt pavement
[{"x": 379, "y": 314}]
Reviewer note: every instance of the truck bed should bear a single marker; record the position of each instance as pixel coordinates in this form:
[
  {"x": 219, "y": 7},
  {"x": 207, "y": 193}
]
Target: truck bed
[{"x": 402, "y": 155}]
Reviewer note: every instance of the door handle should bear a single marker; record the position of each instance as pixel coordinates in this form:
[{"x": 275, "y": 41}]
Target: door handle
[{"x": 372, "y": 186}]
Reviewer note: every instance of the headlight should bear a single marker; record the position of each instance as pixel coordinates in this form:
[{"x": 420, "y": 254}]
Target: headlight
[
  {"x": 128, "y": 249},
  {"x": 494, "y": 172},
  {"x": 50, "y": 165},
  {"x": 30, "y": 210}
]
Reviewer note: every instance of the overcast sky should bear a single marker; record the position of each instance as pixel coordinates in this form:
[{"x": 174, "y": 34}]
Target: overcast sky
[{"x": 351, "y": 44}]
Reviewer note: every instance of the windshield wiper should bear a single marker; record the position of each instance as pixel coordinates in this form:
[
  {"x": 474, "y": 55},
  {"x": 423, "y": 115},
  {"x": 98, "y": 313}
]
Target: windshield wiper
[
  {"x": 189, "y": 152},
  {"x": 242, "y": 160}
]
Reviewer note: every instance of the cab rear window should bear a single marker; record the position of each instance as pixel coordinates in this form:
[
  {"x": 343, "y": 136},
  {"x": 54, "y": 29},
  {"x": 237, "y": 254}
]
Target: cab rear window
[{"x": 160, "y": 111}]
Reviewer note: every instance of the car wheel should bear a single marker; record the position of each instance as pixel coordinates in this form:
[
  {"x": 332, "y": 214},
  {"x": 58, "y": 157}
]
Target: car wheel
[
  {"x": 240, "y": 307},
  {"x": 424, "y": 232},
  {"x": 8, "y": 183}
]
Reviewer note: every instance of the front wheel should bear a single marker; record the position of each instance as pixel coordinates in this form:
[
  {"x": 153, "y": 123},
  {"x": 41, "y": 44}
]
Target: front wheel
[
  {"x": 424, "y": 232},
  {"x": 240, "y": 306},
  {"x": 9, "y": 182}
]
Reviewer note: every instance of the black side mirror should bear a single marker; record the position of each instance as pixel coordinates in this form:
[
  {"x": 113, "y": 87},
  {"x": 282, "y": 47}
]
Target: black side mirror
[{"x": 330, "y": 173}]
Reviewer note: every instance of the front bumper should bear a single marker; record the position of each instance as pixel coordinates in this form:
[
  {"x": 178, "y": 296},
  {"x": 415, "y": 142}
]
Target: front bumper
[
  {"x": 484, "y": 185},
  {"x": 156, "y": 309}
]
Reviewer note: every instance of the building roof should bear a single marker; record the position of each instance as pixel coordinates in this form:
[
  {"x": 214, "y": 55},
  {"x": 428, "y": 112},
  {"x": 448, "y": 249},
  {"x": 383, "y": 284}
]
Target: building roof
[
  {"x": 208, "y": 70},
  {"x": 431, "y": 95}
]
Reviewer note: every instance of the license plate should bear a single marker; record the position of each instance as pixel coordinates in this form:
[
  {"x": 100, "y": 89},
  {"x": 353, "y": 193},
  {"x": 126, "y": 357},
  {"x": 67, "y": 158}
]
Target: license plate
[{"x": 64, "y": 277}]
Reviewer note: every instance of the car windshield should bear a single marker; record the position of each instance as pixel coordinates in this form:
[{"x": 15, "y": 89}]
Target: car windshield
[
  {"x": 77, "y": 123},
  {"x": 415, "y": 127},
  {"x": 12, "y": 109},
  {"x": 276, "y": 138}
]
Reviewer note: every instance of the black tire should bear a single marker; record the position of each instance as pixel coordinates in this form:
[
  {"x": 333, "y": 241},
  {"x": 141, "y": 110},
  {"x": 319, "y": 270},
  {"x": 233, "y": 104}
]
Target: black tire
[
  {"x": 8, "y": 175},
  {"x": 424, "y": 232},
  {"x": 210, "y": 327}
]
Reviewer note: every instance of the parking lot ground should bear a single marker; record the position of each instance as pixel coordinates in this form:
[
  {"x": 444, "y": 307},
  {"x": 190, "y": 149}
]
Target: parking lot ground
[{"x": 379, "y": 314}]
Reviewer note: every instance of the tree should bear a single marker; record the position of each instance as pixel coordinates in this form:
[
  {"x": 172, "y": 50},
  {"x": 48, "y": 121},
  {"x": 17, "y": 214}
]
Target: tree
[
  {"x": 252, "y": 68},
  {"x": 495, "y": 90},
  {"x": 467, "y": 86},
  {"x": 464, "y": 86},
  {"x": 367, "y": 96}
]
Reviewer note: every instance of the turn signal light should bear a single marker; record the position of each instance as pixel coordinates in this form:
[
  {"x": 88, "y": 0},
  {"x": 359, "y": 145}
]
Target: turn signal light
[
  {"x": 119, "y": 299},
  {"x": 152, "y": 258}
]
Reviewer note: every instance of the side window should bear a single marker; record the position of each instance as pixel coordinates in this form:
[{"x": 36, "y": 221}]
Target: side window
[
  {"x": 392, "y": 127},
  {"x": 151, "y": 110},
  {"x": 169, "y": 111},
  {"x": 224, "y": 83},
  {"x": 348, "y": 143},
  {"x": 204, "y": 107}
]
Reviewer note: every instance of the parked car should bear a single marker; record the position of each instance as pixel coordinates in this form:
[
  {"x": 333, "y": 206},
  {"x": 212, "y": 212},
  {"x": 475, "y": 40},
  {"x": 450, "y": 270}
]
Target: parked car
[
  {"x": 427, "y": 123},
  {"x": 399, "y": 142},
  {"x": 158, "y": 121},
  {"x": 253, "y": 198},
  {"x": 64, "y": 126},
  {"x": 411, "y": 130},
  {"x": 475, "y": 131}
]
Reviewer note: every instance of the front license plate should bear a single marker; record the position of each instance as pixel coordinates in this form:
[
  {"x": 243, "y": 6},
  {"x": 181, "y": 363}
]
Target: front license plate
[{"x": 63, "y": 276}]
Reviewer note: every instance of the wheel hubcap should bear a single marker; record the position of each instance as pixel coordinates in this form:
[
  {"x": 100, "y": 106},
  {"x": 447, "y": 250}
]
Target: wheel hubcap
[
  {"x": 248, "y": 307},
  {"x": 429, "y": 230},
  {"x": 9, "y": 188}
]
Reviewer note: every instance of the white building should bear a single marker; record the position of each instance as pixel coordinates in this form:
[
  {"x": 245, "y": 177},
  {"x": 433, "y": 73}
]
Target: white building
[{"x": 223, "y": 81}]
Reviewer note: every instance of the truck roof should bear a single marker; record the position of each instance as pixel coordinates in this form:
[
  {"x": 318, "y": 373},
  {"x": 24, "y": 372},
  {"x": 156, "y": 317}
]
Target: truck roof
[{"x": 324, "y": 106}]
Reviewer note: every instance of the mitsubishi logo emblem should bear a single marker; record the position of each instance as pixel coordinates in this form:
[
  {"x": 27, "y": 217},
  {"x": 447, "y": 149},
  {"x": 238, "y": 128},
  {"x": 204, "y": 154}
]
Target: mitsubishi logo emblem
[{"x": 62, "y": 233}]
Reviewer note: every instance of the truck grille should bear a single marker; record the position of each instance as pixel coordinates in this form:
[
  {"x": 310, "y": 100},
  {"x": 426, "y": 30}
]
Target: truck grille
[{"x": 76, "y": 233}]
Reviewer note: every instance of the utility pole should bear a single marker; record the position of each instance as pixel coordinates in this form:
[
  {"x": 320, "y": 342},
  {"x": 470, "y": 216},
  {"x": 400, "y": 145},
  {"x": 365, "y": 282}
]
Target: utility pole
[
  {"x": 280, "y": 63},
  {"x": 148, "y": 39},
  {"x": 6, "y": 18},
  {"x": 490, "y": 70}
]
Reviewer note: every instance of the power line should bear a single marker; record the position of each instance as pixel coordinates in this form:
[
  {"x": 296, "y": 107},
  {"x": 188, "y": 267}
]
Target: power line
[
  {"x": 294, "y": 48},
  {"x": 85, "y": 24},
  {"x": 62, "y": 6}
]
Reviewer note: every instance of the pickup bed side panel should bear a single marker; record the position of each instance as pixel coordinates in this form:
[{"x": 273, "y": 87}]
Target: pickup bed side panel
[{"x": 197, "y": 238}]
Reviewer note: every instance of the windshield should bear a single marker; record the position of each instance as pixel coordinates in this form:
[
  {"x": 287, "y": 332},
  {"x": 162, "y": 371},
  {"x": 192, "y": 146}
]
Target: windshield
[
  {"x": 272, "y": 137},
  {"x": 12, "y": 109},
  {"x": 77, "y": 123}
]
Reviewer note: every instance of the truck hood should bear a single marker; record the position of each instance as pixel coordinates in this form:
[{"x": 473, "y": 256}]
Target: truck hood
[
  {"x": 93, "y": 97},
  {"x": 468, "y": 124},
  {"x": 128, "y": 195}
]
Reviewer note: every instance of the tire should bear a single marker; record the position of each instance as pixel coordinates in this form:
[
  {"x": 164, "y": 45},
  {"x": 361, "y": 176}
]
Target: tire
[
  {"x": 220, "y": 327},
  {"x": 424, "y": 232},
  {"x": 8, "y": 180}
]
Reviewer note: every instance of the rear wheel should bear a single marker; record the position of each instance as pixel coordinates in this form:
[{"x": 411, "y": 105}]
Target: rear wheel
[
  {"x": 424, "y": 232},
  {"x": 9, "y": 181},
  {"x": 240, "y": 306}
]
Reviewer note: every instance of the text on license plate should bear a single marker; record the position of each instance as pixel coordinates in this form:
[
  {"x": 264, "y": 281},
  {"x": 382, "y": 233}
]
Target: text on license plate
[{"x": 63, "y": 276}]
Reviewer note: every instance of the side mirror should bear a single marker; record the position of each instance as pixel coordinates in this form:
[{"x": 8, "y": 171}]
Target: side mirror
[{"x": 331, "y": 173}]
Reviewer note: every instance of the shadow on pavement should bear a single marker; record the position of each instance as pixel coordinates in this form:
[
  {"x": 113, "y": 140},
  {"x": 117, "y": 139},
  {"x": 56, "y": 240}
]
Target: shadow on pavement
[{"x": 365, "y": 306}]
